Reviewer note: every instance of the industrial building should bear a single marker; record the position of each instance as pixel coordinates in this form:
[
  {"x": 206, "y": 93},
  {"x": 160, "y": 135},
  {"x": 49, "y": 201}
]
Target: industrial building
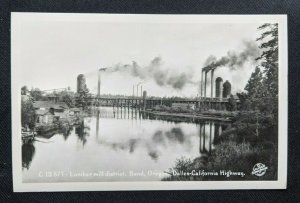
[
  {"x": 81, "y": 83},
  {"x": 221, "y": 90}
]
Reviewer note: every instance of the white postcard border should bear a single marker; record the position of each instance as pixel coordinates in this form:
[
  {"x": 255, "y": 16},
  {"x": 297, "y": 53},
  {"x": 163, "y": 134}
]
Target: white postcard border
[{"x": 19, "y": 186}]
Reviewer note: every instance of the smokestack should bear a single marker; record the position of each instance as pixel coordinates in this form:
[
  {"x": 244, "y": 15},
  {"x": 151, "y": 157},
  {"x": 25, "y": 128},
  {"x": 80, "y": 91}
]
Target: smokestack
[
  {"x": 145, "y": 99},
  {"x": 137, "y": 90},
  {"x": 133, "y": 90},
  {"x": 99, "y": 84},
  {"x": 141, "y": 90},
  {"x": 201, "y": 84},
  {"x": 205, "y": 84},
  {"x": 212, "y": 83}
]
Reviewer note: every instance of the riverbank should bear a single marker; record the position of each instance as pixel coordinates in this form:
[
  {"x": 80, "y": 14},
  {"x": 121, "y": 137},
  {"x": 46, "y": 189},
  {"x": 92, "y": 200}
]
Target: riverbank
[
  {"x": 48, "y": 129},
  {"x": 193, "y": 116},
  {"x": 248, "y": 141}
]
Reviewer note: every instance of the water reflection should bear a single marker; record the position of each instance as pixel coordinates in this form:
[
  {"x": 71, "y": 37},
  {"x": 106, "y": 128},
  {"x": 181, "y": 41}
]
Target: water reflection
[
  {"x": 28, "y": 151},
  {"x": 121, "y": 139},
  {"x": 209, "y": 135},
  {"x": 209, "y": 132},
  {"x": 119, "y": 113},
  {"x": 66, "y": 132},
  {"x": 82, "y": 131},
  {"x": 175, "y": 135}
]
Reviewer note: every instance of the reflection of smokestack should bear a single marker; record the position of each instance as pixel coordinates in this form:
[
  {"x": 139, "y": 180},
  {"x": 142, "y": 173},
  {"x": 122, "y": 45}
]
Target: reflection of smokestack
[
  {"x": 97, "y": 123},
  {"x": 99, "y": 84}
]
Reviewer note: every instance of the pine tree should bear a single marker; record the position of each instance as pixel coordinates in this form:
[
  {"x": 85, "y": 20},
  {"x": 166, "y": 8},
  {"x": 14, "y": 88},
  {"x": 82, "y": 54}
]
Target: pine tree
[
  {"x": 269, "y": 62},
  {"x": 254, "y": 85},
  {"x": 83, "y": 98},
  {"x": 24, "y": 90},
  {"x": 269, "y": 57}
]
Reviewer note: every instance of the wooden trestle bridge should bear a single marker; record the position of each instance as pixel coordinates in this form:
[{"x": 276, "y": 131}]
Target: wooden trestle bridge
[{"x": 146, "y": 103}]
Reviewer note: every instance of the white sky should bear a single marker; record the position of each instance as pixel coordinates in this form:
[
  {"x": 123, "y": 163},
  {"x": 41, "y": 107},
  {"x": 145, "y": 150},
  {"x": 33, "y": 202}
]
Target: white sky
[{"x": 53, "y": 51}]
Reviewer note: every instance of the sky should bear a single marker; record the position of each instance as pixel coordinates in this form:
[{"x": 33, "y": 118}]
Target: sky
[{"x": 53, "y": 51}]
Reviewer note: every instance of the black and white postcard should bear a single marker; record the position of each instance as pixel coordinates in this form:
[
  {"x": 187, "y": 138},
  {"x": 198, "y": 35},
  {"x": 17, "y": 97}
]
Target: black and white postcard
[{"x": 148, "y": 102}]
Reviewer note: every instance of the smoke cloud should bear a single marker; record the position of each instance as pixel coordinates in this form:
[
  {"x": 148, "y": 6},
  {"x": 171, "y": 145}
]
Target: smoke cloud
[
  {"x": 154, "y": 71},
  {"x": 234, "y": 60}
]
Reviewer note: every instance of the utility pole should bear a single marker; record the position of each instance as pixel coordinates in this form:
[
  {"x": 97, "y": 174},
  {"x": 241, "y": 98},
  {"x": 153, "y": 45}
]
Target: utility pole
[{"x": 99, "y": 84}]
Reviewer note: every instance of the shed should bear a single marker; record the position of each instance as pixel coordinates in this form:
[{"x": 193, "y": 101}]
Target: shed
[{"x": 44, "y": 117}]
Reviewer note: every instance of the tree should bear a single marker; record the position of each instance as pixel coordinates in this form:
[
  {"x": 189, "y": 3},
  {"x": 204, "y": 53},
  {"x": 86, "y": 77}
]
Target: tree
[
  {"x": 27, "y": 114},
  {"x": 24, "y": 90},
  {"x": 269, "y": 62},
  {"x": 83, "y": 98},
  {"x": 232, "y": 106},
  {"x": 67, "y": 97},
  {"x": 269, "y": 56},
  {"x": 69, "y": 100},
  {"x": 254, "y": 84},
  {"x": 244, "y": 101},
  {"x": 36, "y": 94},
  {"x": 255, "y": 90},
  {"x": 262, "y": 86}
]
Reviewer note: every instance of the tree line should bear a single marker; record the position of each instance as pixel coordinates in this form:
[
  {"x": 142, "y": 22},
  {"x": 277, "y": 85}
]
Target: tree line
[{"x": 261, "y": 91}]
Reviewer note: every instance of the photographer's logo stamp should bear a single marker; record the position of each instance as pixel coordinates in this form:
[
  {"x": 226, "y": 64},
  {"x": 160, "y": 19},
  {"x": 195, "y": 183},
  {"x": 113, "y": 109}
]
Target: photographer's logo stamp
[{"x": 259, "y": 169}]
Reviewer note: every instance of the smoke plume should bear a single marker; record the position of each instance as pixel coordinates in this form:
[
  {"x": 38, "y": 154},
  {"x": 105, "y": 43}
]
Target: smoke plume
[
  {"x": 154, "y": 71},
  {"x": 234, "y": 60}
]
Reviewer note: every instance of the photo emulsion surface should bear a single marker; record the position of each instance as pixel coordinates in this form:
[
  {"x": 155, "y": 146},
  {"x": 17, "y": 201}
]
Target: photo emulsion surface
[{"x": 122, "y": 101}]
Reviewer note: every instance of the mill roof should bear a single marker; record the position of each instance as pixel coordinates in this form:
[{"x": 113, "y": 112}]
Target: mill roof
[
  {"x": 75, "y": 109},
  {"x": 42, "y": 112}
]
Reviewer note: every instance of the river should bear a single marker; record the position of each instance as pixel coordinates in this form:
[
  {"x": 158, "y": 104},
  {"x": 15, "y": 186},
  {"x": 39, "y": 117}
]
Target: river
[{"x": 116, "y": 145}]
